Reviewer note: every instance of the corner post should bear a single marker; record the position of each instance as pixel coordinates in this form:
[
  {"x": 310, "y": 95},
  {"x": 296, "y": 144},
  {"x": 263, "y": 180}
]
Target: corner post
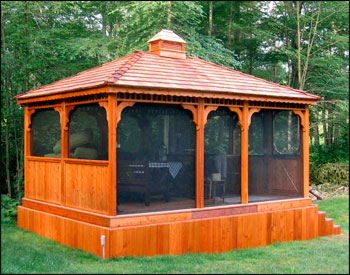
[
  {"x": 304, "y": 123},
  {"x": 27, "y": 142},
  {"x": 306, "y": 158},
  {"x": 112, "y": 153},
  {"x": 244, "y": 153}
]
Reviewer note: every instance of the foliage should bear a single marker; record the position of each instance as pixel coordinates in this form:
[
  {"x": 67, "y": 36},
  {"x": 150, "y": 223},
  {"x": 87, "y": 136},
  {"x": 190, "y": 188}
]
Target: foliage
[
  {"x": 44, "y": 41},
  {"x": 8, "y": 209},
  {"x": 212, "y": 50},
  {"x": 24, "y": 252},
  {"x": 324, "y": 154},
  {"x": 329, "y": 173}
]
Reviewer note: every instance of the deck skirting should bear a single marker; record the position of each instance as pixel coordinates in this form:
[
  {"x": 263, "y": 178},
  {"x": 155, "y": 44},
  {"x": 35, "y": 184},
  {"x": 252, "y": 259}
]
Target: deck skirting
[{"x": 196, "y": 235}]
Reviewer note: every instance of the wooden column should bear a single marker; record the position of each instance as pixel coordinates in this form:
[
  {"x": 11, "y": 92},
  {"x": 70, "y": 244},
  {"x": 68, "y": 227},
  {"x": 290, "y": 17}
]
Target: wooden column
[
  {"x": 200, "y": 155},
  {"x": 64, "y": 112},
  {"x": 244, "y": 153},
  {"x": 112, "y": 153},
  {"x": 27, "y": 142},
  {"x": 306, "y": 163},
  {"x": 304, "y": 123},
  {"x": 200, "y": 115}
]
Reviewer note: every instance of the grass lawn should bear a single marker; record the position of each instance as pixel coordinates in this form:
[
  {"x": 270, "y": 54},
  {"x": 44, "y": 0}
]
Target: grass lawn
[{"x": 25, "y": 252}]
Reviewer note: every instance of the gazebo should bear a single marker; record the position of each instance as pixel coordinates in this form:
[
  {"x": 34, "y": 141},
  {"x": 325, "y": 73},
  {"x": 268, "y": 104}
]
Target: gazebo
[{"x": 162, "y": 153}]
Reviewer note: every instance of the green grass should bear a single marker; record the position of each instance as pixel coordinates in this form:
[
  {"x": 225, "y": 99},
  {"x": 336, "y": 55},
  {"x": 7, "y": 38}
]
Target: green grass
[{"x": 25, "y": 252}]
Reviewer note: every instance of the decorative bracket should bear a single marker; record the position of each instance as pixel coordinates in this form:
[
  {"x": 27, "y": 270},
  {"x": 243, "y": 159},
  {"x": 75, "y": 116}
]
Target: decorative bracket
[
  {"x": 207, "y": 110},
  {"x": 194, "y": 111},
  {"x": 68, "y": 110},
  {"x": 64, "y": 112},
  {"x": 301, "y": 114},
  {"x": 60, "y": 110},
  {"x": 104, "y": 104},
  {"x": 239, "y": 113},
  {"x": 250, "y": 114},
  {"x": 28, "y": 119},
  {"x": 121, "y": 106}
]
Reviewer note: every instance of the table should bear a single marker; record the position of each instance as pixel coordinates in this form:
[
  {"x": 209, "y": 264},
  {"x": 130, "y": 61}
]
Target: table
[{"x": 174, "y": 167}]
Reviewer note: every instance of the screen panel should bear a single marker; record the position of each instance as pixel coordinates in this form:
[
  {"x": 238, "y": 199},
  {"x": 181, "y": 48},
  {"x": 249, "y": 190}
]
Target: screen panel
[
  {"x": 46, "y": 134},
  {"x": 222, "y": 158},
  {"x": 88, "y": 133},
  {"x": 156, "y": 150},
  {"x": 276, "y": 172}
]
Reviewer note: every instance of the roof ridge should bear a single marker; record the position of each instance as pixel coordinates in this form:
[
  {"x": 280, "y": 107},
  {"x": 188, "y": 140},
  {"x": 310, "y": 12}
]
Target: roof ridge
[
  {"x": 117, "y": 74},
  {"x": 252, "y": 76}
]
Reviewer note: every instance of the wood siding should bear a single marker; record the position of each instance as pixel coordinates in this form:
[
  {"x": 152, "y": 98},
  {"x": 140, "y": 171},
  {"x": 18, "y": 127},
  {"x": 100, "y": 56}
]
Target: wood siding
[
  {"x": 86, "y": 186},
  {"x": 43, "y": 180},
  {"x": 208, "y": 235}
]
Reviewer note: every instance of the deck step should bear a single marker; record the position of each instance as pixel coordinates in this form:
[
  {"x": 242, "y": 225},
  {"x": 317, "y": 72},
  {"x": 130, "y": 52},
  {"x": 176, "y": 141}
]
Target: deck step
[
  {"x": 326, "y": 225},
  {"x": 329, "y": 226},
  {"x": 321, "y": 223},
  {"x": 336, "y": 229}
]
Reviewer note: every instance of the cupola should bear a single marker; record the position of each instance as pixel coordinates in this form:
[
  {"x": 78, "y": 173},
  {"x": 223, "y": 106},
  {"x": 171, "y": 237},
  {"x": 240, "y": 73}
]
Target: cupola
[{"x": 167, "y": 43}]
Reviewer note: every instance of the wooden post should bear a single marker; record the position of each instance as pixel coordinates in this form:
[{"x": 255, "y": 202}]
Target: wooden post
[
  {"x": 244, "y": 153},
  {"x": 64, "y": 150},
  {"x": 304, "y": 123},
  {"x": 27, "y": 142},
  {"x": 64, "y": 112},
  {"x": 305, "y": 129},
  {"x": 112, "y": 153},
  {"x": 200, "y": 155}
]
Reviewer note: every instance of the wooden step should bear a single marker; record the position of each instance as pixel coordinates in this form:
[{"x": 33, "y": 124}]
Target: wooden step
[
  {"x": 336, "y": 230},
  {"x": 329, "y": 226},
  {"x": 321, "y": 223}
]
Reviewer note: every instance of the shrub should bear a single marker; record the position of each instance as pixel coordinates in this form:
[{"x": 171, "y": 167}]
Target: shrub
[
  {"x": 330, "y": 173},
  {"x": 8, "y": 209}
]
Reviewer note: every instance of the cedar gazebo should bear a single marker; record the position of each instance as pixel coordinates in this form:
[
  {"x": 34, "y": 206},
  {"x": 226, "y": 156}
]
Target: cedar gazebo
[{"x": 162, "y": 153}]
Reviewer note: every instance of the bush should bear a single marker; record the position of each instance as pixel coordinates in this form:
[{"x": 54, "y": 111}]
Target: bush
[
  {"x": 329, "y": 154},
  {"x": 329, "y": 173},
  {"x": 8, "y": 209}
]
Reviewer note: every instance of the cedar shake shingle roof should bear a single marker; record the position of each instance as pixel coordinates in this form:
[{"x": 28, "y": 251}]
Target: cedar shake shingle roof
[{"x": 150, "y": 70}]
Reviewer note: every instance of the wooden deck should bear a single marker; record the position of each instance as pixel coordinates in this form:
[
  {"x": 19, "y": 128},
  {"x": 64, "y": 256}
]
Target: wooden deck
[
  {"x": 212, "y": 229},
  {"x": 158, "y": 203}
]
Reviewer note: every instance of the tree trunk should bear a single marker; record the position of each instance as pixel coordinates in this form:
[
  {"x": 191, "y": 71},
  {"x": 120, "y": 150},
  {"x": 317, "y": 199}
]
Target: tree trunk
[
  {"x": 26, "y": 47},
  {"x": 316, "y": 131},
  {"x": 330, "y": 121},
  {"x": 7, "y": 140},
  {"x": 169, "y": 15},
  {"x": 236, "y": 31},
  {"x": 298, "y": 42},
  {"x": 336, "y": 124},
  {"x": 104, "y": 19},
  {"x": 324, "y": 124},
  {"x": 210, "y": 18},
  {"x": 18, "y": 141},
  {"x": 275, "y": 73},
  {"x": 229, "y": 33},
  {"x": 294, "y": 72}
]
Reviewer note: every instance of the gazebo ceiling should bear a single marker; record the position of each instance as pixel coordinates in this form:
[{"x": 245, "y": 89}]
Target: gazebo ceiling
[{"x": 167, "y": 66}]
